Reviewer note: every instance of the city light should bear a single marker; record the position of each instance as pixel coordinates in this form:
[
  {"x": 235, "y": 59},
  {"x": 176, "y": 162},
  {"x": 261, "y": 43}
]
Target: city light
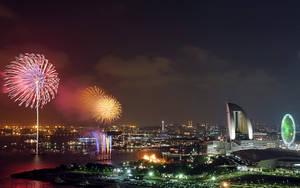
[
  {"x": 150, "y": 173},
  {"x": 225, "y": 184},
  {"x": 181, "y": 176},
  {"x": 152, "y": 158},
  {"x": 146, "y": 157}
]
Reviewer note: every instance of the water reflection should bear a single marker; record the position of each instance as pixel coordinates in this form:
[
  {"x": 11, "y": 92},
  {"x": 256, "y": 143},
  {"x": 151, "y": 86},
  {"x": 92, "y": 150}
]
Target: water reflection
[
  {"x": 20, "y": 183},
  {"x": 36, "y": 160}
]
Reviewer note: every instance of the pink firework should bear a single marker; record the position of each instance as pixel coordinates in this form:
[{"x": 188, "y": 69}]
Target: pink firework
[{"x": 31, "y": 80}]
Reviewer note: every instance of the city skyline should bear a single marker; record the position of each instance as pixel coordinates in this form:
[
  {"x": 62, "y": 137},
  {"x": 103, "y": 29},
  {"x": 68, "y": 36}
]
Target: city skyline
[
  {"x": 149, "y": 93},
  {"x": 214, "y": 53}
]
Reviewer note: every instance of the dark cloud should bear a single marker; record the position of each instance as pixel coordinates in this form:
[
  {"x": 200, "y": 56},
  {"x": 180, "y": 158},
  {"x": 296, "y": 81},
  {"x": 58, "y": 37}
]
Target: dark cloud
[
  {"x": 139, "y": 71},
  {"x": 203, "y": 56},
  {"x": 6, "y": 13},
  {"x": 206, "y": 70},
  {"x": 170, "y": 84},
  {"x": 251, "y": 79},
  {"x": 167, "y": 60},
  {"x": 195, "y": 77},
  {"x": 58, "y": 58}
]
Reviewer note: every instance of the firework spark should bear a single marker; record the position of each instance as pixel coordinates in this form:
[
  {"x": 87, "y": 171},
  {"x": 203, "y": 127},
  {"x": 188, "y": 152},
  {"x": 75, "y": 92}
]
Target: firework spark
[
  {"x": 107, "y": 109},
  {"x": 89, "y": 95},
  {"x": 28, "y": 76},
  {"x": 30, "y": 79},
  {"x": 101, "y": 106}
]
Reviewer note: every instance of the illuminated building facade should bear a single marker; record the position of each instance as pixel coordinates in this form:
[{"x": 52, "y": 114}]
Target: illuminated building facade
[
  {"x": 239, "y": 125},
  {"x": 222, "y": 148}
]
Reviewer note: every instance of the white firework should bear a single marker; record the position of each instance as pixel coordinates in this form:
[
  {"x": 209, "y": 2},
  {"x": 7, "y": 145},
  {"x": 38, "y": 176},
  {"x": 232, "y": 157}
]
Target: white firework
[{"x": 31, "y": 75}]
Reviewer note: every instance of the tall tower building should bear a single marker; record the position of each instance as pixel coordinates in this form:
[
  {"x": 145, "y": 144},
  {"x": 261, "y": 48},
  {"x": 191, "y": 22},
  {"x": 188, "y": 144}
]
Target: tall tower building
[
  {"x": 162, "y": 126},
  {"x": 238, "y": 122}
]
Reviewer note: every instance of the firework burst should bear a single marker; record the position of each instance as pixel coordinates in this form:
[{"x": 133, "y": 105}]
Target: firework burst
[
  {"x": 30, "y": 79},
  {"x": 89, "y": 95},
  {"x": 101, "y": 106},
  {"x": 107, "y": 109}
]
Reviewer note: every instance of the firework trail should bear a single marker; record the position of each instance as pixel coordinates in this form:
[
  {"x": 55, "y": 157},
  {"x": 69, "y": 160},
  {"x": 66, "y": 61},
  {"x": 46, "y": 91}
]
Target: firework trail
[
  {"x": 101, "y": 106},
  {"x": 30, "y": 79}
]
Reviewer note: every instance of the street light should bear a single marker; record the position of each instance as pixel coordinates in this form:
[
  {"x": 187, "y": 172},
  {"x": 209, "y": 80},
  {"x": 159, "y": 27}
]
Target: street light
[
  {"x": 181, "y": 176},
  {"x": 225, "y": 184},
  {"x": 150, "y": 174}
]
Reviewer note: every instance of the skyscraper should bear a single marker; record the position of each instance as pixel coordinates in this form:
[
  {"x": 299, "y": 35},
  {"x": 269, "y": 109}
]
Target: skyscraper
[{"x": 238, "y": 124}]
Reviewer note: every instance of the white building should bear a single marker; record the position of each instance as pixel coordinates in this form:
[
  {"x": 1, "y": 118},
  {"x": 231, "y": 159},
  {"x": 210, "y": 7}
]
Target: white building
[{"x": 237, "y": 122}]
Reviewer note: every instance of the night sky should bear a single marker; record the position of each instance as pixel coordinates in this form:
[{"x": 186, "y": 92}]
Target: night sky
[{"x": 163, "y": 60}]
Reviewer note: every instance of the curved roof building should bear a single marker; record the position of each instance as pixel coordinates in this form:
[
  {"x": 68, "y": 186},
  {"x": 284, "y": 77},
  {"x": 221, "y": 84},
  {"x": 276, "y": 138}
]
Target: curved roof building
[{"x": 238, "y": 122}]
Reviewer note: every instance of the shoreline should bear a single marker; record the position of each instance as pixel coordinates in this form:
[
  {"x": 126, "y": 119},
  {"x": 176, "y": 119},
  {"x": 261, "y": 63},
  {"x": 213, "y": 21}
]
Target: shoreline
[{"x": 60, "y": 176}]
